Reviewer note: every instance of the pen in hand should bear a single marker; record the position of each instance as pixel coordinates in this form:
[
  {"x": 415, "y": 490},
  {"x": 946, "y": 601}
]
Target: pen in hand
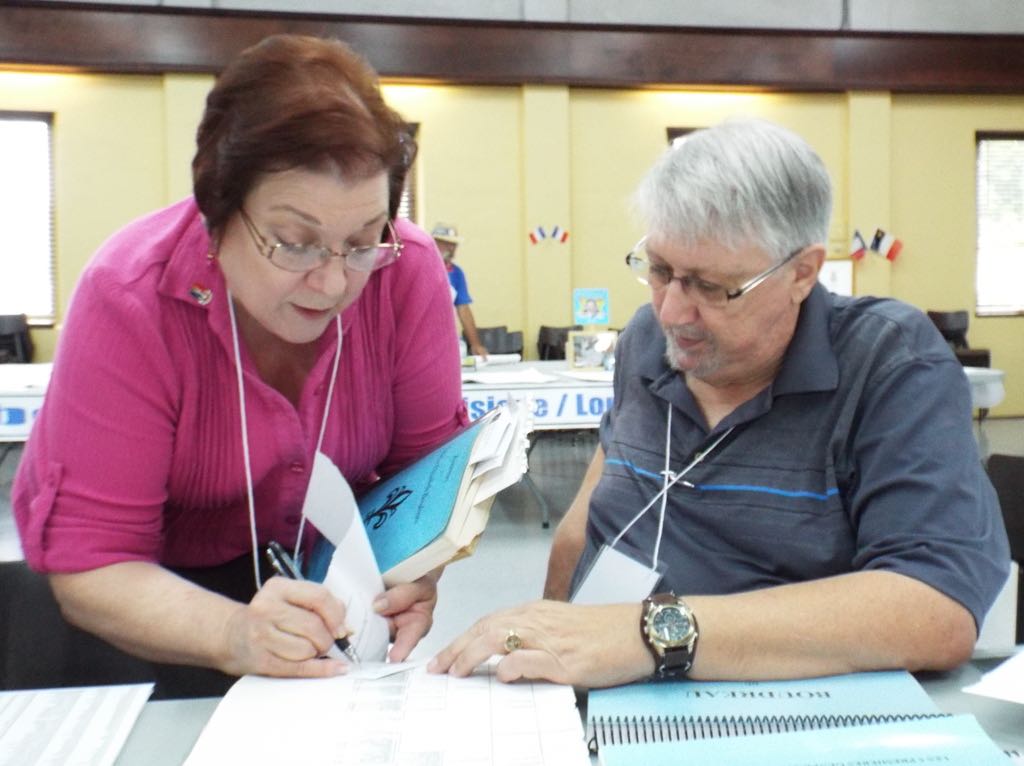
[{"x": 285, "y": 566}]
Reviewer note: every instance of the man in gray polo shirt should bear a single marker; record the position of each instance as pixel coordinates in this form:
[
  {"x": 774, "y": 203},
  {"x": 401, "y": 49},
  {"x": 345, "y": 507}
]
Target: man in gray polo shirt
[{"x": 798, "y": 467}]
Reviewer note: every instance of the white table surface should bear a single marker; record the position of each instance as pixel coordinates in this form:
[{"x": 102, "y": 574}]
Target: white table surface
[{"x": 167, "y": 730}]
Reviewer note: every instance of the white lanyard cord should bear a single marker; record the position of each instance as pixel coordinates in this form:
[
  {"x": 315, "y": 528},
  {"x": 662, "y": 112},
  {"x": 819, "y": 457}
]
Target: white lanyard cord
[
  {"x": 245, "y": 436},
  {"x": 323, "y": 428},
  {"x": 670, "y": 480},
  {"x": 664, "y": 489},
  {"x": 245, "y": 442}
]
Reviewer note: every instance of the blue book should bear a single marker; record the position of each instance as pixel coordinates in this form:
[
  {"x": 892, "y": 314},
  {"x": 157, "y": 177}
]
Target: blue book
[
  {"x": 685, "y": 709},
  {"x": 409, "y": 512},
  {"x": 432, "y": 511},
  {"x": 955, "y": 740}
]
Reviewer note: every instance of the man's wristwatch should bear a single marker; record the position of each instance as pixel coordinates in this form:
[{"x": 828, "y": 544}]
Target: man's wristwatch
[{"x": 669, "y": 629}]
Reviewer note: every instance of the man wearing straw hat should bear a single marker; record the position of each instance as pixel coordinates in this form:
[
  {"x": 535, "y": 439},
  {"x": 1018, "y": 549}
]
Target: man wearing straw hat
[{"x": 448, "y": 239}]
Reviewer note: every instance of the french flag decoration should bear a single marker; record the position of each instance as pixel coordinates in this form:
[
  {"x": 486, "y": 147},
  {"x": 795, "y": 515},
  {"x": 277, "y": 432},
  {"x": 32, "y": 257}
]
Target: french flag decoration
[
  {"x": 201, "y": 294},
  {"x": 557, "y": 234},
  {"x": 886, "y": 245},
  {"x": 857, "y": 246}
]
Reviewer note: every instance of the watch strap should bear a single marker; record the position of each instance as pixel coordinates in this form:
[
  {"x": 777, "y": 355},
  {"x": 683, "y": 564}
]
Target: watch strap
[{"x": 669, "y": 662}]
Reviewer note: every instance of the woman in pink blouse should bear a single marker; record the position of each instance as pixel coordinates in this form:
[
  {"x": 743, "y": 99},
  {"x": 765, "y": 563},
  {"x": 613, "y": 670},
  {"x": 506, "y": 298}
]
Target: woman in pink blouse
[{"x": 144, "y": 493}]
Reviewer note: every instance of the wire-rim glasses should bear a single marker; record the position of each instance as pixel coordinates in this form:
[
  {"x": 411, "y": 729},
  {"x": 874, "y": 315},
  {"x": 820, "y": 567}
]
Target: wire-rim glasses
[
  {"x": 303, "y": 258},
  {"x": 659, "y": 276}
]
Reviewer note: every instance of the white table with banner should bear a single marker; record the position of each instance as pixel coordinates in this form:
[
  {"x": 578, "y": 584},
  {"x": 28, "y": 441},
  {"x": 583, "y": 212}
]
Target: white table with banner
[
  {"x": 561, "y": 399},
  {"x": 22, "y": 387}
]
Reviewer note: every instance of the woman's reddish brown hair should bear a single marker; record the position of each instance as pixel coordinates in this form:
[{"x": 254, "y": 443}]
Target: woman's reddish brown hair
[{"x": 291, "y": 101}]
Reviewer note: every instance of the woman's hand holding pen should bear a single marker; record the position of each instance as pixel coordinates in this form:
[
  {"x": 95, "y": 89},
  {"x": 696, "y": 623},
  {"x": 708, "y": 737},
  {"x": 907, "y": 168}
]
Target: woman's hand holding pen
[
  {"x": 285, "y": 631},
  {"x": 410, "y": 612}
]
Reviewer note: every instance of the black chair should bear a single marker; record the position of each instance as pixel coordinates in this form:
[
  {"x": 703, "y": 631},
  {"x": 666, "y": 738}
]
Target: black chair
[
  {"x": 551, "y": 341},
  {"x": 499, "y": 340},
  {"x": 39, "y": 649},
  {"x": 953, "y": 326},
  {"x": 15, "y": 339},
  {"x": 1007, "y": 475}
]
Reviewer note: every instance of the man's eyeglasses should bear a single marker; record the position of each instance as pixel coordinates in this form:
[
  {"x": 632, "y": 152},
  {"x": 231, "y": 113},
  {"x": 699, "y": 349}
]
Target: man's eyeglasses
[
  {"x": 303, "y": 258},
  {"x": 658, "y": 276}
]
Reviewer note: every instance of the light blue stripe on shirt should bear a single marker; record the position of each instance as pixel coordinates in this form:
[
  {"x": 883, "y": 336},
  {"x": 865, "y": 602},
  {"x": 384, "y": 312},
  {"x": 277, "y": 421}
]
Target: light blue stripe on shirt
[{"x": 732, "y": 487}]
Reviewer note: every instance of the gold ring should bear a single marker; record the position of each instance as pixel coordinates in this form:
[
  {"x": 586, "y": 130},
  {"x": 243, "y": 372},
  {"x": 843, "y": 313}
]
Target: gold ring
[{"x": 513, "y": 641}]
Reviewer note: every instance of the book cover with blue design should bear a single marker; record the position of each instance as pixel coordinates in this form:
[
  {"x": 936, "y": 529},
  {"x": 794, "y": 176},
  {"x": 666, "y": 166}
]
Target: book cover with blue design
[
  {"x": 411, "y": 509},
  {"x": 432, "y": 511}
]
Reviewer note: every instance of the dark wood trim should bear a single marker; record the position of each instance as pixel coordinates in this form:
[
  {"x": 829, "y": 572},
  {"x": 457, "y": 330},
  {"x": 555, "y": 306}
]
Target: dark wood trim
[
  {"x": 998, "y": 135},
  {"x": 104, "y": 38}
]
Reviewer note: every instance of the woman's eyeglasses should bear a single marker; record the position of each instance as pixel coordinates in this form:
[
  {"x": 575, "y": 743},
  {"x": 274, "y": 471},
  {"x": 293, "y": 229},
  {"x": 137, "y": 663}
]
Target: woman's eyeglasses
[{"x": 303, "y": 258}]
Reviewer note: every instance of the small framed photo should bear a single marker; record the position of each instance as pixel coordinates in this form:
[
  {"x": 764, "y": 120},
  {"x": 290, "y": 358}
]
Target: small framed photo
[
  {"x": 588, "y": 350},
  {"x": 590, "y": 306}
]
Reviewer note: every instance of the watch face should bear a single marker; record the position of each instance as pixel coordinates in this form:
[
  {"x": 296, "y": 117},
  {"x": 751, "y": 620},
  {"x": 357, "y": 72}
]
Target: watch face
[{"x": 671, "y": 625}]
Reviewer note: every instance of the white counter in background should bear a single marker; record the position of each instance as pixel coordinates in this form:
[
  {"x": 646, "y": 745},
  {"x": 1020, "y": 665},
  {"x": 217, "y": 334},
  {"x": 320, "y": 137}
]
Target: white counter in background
[
  {"x": 987, "y": 389},
  {"x": 22, "y": 387}
]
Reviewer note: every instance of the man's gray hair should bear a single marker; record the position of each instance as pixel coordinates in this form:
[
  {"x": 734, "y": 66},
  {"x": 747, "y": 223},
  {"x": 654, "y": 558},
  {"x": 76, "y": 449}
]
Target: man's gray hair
[{"x": 740, "y": 183}]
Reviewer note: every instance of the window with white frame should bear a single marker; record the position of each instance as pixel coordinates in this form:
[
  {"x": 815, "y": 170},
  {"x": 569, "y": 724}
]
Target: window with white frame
[
  {"x": 1000, "y": 212},
  {"x": 407, "y": 207},
  {"x": 26, "y": 216}
]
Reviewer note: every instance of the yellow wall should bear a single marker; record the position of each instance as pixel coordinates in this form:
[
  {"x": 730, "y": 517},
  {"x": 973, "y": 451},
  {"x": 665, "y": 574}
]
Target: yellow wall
[
  {"x": 933, "y": 191},
  {"x": 184, "y": 97},
  {"x": 108, "y": 143},
  {"x": 469, "y": 175},
  {"x": 500, "y": 161},
  {"x": 617, "y": 135}
]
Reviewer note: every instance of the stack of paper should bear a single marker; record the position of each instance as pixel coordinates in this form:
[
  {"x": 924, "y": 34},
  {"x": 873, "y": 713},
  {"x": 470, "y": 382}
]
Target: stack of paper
[
  {"x": 1006, "y": 682},
  {"x": 87, "y": 724},
  {"x": 406, "y": 718},
  {"x": 528, "y": 376},
  {"x": 479, "y": 361}
]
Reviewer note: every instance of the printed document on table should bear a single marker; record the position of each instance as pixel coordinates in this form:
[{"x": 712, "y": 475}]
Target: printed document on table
[
  {"x": 530, "y": 375},
  {"x": 411, "y": 717},
  {"x": 76, "y": 725},
  {"x": 1006, "y": 682},
  {"x": 593, "y": 376}
]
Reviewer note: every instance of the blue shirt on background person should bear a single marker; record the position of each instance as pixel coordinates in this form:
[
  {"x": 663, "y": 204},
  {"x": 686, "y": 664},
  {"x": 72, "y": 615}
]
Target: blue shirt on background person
[{"x": 448, "y": 239}]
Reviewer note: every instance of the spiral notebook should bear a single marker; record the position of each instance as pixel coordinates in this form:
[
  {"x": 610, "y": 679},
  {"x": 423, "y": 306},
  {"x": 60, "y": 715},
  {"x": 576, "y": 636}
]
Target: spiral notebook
[
  {"x": 951, "y": 740},
  {"x": 668, "y": 711}
]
